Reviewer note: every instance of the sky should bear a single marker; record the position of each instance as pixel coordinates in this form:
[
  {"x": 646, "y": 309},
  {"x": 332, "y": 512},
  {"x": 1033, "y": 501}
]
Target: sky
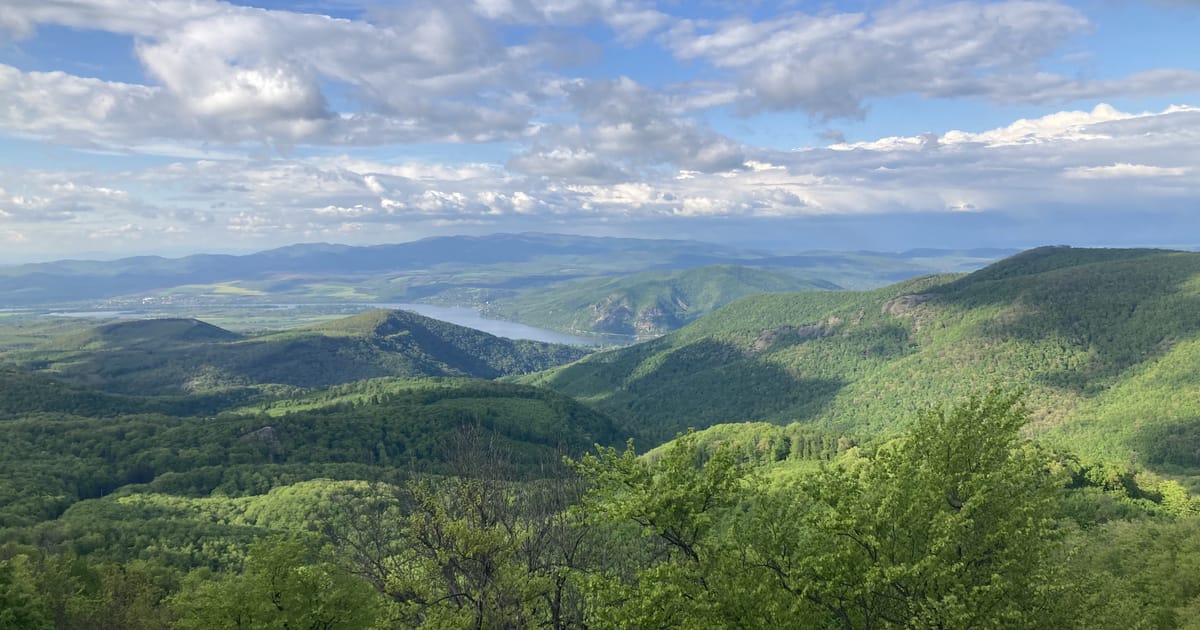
[{"x": 179, "y": 126}]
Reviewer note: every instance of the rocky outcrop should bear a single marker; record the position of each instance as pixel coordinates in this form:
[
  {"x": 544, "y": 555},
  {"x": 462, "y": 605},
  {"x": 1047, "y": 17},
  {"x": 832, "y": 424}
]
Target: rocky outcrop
[
  {"x": 791, "y": 335},
  {"x": 904, "y": 303}
]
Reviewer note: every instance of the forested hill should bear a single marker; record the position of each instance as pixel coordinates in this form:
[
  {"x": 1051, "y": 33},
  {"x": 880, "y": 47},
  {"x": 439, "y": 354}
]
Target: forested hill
[
  {"x": 462, "y": 270},
  {"x": 1106, "y": 343},
  {"x": 183, "y": 356},
  {"x": 71, "y": 280},
  {"x": 648, "y": 303}
]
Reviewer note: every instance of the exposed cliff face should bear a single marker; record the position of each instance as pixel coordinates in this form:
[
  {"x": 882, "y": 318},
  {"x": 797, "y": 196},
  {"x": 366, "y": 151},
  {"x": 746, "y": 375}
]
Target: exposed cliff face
[
  {"x": 615, "y": 314},
  {"x": 904, "y": 303},
  {"x": 791, "y": 335}
]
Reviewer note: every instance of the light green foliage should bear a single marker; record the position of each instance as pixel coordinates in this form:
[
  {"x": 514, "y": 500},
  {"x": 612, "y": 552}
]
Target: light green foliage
[
  {"x": 439, "y": 503},
  {"x": 20, "y": 606},
  {"x": 464, "y": 564},
  {"x": 282, "y": 586},
  {"x": 680, "y": 503},
  {"x": 951, "y": 526},
  {"x": 467, "y": 553},
  {"x": 66, "y": 592},
  {"x": 49, "y": 463},
  {"x": 1138, "y": 575}
]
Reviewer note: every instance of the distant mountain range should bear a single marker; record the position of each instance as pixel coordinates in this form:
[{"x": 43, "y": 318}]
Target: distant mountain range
[{"x": 455, "y": 269}]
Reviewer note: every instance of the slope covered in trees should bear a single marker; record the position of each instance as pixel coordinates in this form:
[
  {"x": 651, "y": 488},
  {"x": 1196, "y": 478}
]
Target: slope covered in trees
[
  {"x": 958, "y": 522},
  {"x": 1094, "y": 336},
  {"x": 644, "y": 304},
  {"x": 905, "y": 497},
  {"x": 51, "y": 460},
  {"x": 179, "y": 356}
]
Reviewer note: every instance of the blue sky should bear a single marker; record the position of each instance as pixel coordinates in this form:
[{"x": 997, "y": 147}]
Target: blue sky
[{"x": 129, "y": 127}]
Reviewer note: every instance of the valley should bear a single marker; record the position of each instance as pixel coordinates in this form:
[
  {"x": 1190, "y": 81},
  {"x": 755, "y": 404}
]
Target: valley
[
  {"x": 599, "y": 315},
  {"x": 389, "y": 452},
  {"x": 629, "y": 288}
]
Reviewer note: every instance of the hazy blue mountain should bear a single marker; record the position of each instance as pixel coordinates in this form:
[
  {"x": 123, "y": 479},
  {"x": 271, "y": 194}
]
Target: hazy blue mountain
[{"x": 457, "y": 269}]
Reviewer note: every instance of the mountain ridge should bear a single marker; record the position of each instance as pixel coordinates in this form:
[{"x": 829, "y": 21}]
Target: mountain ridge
[
  {"x": 370, "y": 345},
  {"x": 1067, "y": 325},
  {"x": 428, "y": 267}
]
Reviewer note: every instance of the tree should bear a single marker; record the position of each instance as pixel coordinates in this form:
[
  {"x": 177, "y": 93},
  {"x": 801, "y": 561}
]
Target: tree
[
  {"x": 20, "y": 606},
  {"x": 689, "y": 570},
  {"x": 282, "y": 586},
  {"x": 470, "y": 551},
  {"x": 949, "y": 527}
]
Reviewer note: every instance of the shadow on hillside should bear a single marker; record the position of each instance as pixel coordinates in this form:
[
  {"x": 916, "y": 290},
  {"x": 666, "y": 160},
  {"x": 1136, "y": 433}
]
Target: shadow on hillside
[
  {"x": 186, "y": 369},
  {"x": 711, "y": 382},
  {"x": 1084, "y": 319},
  {"x": 1169, "y": 447}
]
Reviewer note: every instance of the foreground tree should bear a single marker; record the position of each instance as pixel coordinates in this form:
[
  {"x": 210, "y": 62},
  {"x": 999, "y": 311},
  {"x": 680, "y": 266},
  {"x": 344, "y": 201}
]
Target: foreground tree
[
  {"x": 679, "y": 507},
  {"x": 283, "y": 585},
  {"x": 949, "y": 527},
  {"x": 476, "y": 550},
  {"x": 20, "y": 606}
]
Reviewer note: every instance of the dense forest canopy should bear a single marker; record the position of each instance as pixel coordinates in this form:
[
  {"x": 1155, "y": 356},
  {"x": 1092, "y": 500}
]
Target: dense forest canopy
[{"x": 1009, "y": 448}]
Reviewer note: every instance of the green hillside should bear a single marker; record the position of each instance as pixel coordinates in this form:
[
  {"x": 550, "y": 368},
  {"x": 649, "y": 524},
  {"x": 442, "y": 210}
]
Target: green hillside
[
  {"x": 643, "y": 304},
  {"x": 150, "y": 333},
  {"x": 1104, "y": 341},
  {"x": 50, "y": 460},
  {"x": 879, "y": 483},
  {"x": 182, "y": 356}
]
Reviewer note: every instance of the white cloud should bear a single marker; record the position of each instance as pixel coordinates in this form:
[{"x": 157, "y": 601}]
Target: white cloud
[
  {"x": 568, "y": 163},
  {"x": 1059, "y": 127},
  {"x": 630, "y": 20},
  {"x": 623, "y": 127},
  {"x": 1101, "y": 159},
  {"x": 232, "y": 74},
  {"x": 127, "y": 231},
  {"x": 831, "y": 64},
  {"x": 1124, "y": 170},
  {"x": 356, "y": 211},
  {"x": 58, "y": 106}
]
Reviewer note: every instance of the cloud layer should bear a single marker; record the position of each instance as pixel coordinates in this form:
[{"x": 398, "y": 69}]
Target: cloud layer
[{"x": 282, "y": 126}]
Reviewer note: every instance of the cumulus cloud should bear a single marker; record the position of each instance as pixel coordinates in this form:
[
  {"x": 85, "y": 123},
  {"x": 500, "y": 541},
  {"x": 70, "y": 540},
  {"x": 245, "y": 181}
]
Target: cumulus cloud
[
  {"x": 223, "y": 80},
  {"x": 1103, "y": 122},
  {"x": 1102, "y": 159},
  {"x": 42, "y": 198},
  {"x": 830, "y": 65},
  {"x": 226, "y": 75},
  {"x": 59, "y": 106},
  {"x": 623, "y": 126},
  {"x": 424, "y": 72}
]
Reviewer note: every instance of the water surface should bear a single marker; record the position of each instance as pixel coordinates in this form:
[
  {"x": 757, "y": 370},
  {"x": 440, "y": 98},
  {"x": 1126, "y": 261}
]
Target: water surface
[{"x": 471, "y": 318}]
